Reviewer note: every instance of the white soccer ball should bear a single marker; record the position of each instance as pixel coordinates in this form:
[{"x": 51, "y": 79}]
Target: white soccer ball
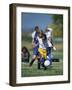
[{"x": 47, "y": 63}]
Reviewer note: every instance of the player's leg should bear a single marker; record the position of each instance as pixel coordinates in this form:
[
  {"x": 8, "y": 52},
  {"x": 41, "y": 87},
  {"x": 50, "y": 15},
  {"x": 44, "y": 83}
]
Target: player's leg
[
  {"x": 45, "y": 57},
  {"x": 39, "y": 63},
  {"x": 35, "y": 53},
  {"x": 50, "y": 56},
  {"x": 32, "y": 61},
  {"x": 41, "y": 55},
  {"x": 40, "y": 50},
  {"x": 49, "y": 50}
]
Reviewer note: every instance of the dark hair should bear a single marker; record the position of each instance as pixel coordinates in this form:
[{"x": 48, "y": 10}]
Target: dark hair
[
  {"x": 36, "y": 27},
  {"x": 26, "y": 50}
]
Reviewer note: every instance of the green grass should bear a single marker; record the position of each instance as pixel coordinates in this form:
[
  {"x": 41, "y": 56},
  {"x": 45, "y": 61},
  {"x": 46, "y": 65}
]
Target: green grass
[
  {"x": 56, "y": 69},
  {"x": 58, "y": 54}
]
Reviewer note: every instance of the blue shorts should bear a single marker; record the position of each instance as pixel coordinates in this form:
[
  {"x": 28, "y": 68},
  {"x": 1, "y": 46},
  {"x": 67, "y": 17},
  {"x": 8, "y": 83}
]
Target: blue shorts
[
  {"x": 48, "y": 50},
  {"x": 49, "y": 54},
  {"x": 35, "y": 51}
]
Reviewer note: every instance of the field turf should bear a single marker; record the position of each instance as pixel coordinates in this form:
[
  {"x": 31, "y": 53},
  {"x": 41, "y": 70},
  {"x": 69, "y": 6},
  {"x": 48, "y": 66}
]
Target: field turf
[{"x": 55, "y": 69}]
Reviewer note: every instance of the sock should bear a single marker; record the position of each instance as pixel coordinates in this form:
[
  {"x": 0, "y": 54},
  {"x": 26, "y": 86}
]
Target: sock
[
  {"x": 42, "y": 60},
  {"x": 31, "y": 63},
  {"x": 38, "y": 63}
]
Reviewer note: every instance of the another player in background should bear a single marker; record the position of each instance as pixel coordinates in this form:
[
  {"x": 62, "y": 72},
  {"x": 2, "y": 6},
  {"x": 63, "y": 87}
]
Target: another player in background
[
  {"x": 35, "y": 45},
  {"x": 48, "y": 33}
]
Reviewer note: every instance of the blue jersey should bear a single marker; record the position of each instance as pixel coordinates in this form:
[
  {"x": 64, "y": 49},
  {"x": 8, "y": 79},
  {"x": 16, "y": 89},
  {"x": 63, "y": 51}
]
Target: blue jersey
[
  {"x": 35, "y": 37},
  {"x": 35, "y": 40}
]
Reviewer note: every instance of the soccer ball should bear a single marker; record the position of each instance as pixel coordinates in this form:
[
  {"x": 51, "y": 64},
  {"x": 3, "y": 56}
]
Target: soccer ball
[{"x": 47, "y": 63}]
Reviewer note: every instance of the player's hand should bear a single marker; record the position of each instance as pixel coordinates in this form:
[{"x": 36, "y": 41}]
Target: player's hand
[{"x": 54, "y": 48}]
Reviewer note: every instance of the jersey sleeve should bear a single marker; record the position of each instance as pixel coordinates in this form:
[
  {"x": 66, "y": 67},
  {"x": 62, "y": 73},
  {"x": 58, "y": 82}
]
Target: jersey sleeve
[
  {"x": 33, "y": 35},
  {"x": 48, "y": 34}
]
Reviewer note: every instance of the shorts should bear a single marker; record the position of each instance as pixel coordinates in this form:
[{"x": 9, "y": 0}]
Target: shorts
[
  {"x": 48, "y": 50},
  {"x": 35, "y": 51},
  {"x": 42, "y": 52}
]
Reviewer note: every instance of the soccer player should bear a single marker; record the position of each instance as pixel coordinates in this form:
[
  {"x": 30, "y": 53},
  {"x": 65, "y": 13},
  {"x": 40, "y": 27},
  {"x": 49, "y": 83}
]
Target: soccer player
[
  {"x": 42, "y": 48},
  {"x": 48, "y": 33},
  {"x": 35, "y": 45}
]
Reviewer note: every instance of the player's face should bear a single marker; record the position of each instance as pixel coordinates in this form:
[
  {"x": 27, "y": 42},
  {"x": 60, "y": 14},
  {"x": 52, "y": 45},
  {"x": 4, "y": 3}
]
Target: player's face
[
  {"x": 24, "y": 50},
  {"x": 40, "y": 35},
  {"x": 37, "y": 30}
]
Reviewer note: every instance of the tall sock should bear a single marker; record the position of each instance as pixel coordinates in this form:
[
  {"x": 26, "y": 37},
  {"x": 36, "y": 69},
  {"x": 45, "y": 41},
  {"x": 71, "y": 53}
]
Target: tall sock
[
  {"x": 42, "y": 62},
  {"x": 38, "y": 63},
  {"x": 31, "y": 63}
]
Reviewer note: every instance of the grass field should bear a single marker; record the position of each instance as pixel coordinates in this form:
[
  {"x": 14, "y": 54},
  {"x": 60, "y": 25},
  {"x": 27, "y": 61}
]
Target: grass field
[{"x": 56, "y": 69}]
